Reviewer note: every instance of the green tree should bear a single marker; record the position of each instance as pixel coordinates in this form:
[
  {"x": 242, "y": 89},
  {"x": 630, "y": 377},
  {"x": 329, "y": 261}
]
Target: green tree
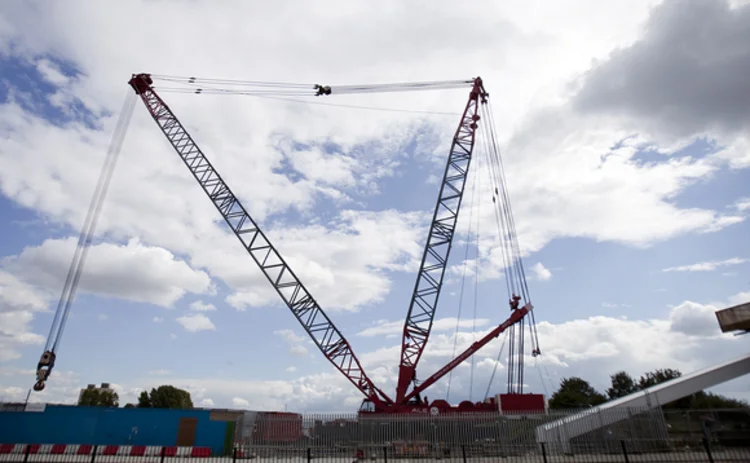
[
  {"x": 652, "y": 378},
  {"x": 96, "y": 397},
  {"x": 143, "y": 400},
  {"x": 708, "y": 400},
  {"x": 165, "y": 396},
  {"x": 622, "y": 385},
  {"x": 575, "y": 393},
  {"x": 129, "y": 406}
]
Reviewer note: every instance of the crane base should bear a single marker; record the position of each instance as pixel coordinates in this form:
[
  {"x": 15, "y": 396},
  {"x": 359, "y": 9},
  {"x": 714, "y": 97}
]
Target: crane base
[{"x": 505, "y": 404}]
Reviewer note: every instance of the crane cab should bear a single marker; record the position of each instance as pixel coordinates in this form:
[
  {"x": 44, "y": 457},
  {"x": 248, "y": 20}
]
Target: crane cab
[{"x": 367, "y": 406}]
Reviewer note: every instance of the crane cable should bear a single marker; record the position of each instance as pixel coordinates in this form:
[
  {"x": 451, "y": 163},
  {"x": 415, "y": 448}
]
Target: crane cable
[
  {"x": 463, "y": 279},
  {"x": 198, "y": 83},
  {"x": 514, "y": 233},
  {"x": 284, "y": 91},
  {"x": 75, "y": 270},
  {"x": 494, "y": 368},
  {"x": 477, "y": 204},
  {"x": 515, "y": 275}
]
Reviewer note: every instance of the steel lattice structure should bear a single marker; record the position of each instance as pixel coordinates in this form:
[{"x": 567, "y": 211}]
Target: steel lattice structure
[
  {"x": 326, "y": 336},
  {"x": 424, "y": 300},
  {"x": 313, "y": 319}
]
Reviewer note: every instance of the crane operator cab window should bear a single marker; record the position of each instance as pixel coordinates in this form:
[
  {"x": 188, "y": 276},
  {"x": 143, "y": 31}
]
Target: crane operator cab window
[{"x": 367, "y": 406}]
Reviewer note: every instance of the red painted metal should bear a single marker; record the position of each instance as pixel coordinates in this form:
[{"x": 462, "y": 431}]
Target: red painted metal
[
  {"x": 317, "y": 324},
  {"x": 421, "y": 313},
  {"x": 522, "y": 403}
]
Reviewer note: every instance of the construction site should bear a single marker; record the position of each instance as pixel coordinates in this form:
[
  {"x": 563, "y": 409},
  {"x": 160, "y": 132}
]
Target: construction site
[{"x": 514, "y": 425}]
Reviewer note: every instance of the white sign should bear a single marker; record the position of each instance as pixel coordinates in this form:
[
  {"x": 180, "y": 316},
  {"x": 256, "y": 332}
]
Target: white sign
[{"x": 35, "y": 407}]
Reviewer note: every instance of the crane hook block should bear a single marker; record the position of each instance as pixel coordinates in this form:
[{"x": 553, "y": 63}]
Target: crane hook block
[
  {"x": 43, "y": 369},
  {"x": 322, "y": 90}
]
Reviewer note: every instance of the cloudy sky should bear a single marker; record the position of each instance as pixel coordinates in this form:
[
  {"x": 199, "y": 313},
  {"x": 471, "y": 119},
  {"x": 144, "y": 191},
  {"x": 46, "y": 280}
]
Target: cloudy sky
[{"x": 625, "y": 132}]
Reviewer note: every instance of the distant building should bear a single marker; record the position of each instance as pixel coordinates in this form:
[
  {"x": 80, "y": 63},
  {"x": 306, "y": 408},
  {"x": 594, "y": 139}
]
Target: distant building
[{"x": 103, "y": 387}]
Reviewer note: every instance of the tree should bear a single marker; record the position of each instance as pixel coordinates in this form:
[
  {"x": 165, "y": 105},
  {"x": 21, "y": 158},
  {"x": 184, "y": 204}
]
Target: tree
[
  {"x": 708, "y": 400},
  {"x": 96, "y": 397},
  {"x": 652, "y": 378},
  {"x": 622, "y": 385},
  {"x": 166, "y": 396},
  {"x": 129, "y": 406},
  {"x": 575, "y": 393}
]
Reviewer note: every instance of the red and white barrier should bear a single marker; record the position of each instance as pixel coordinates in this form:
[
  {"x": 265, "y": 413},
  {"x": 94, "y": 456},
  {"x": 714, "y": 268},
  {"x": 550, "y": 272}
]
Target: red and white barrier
[{"x": 122, "y": 450}]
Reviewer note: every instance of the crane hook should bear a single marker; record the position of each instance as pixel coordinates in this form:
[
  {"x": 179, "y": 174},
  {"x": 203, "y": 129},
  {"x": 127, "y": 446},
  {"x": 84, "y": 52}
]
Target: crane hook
[{"x": 43, "y": 369}]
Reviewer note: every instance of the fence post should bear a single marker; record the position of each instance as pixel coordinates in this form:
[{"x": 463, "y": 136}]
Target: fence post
[
  {"x": 385, "y": 454},
  {"x": 26, "y": 452},
  {"x": 707, "y": 446},
  {"x": 234, "y": 455},
  {"x": 624, "y": 451},
  {"x": 309, "y": 455},
  {"x": 163, "y": 453},
  {"x": 463, "y": 452},
  {"x": 544, "y": 452},
  {"x": 93, "y": 453}
]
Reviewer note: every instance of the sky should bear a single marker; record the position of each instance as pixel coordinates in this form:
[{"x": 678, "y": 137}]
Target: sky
[{"x": 624, "y": 128}]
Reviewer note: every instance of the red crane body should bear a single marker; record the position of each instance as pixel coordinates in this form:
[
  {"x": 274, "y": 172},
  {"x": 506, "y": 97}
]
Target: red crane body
[
  {"x": 321, "y": 329},
  {"x": 329, "y": 340}
]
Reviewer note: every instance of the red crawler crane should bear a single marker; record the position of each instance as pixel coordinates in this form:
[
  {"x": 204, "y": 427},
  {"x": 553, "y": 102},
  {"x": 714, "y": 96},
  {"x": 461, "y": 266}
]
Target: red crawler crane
[{"x": 429, "y": 282}]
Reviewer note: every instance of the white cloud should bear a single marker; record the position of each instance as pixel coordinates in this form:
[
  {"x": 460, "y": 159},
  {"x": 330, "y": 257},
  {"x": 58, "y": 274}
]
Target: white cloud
[
  {"x": 706, "y": 266},
  {"x": 294, "y": 341},
  {"x": 240, "y": 403},
  {"x": 290, "y": 369},
  {"x": 289, "y": 336},
  {"x": 51, "y": 72},
  {"x": 158, "y": 319},
  {"x": 298, "y": 350},
  {"x": 208, "y": 403},
  {"x": 345, "y": 268},
  {"x": 15, "y": 295},
  {"x": 133, "y": 271},
  {"x": 694, "y": 319},
  {"x": 541, "y": 272},
  {"x": 688, "y": 339},
  {"x": 18, "y": 304},
  {"x": 384, "y": 327},
  {"x": 196, "y": 322},
  {"x": 152, "y": 197},
  {"x": 742, "y": 204},
  {"x": 739, "y": 298},
  {"x": 201, "y": 306}
]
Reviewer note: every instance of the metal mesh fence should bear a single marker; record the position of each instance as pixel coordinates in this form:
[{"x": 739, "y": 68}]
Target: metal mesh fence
[{"x": 634, "y": 435}]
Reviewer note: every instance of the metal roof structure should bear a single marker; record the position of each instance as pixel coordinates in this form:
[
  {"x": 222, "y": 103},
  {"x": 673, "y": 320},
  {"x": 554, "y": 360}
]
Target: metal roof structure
[
  {"x": 736, "y": 318},
  {"x": 562, "y": 430}
]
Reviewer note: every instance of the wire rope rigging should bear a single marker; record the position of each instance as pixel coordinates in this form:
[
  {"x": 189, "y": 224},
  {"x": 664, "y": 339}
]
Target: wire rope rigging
[
  {"x": 67, "y": 296},
  {"x": 476, "y": 118}
]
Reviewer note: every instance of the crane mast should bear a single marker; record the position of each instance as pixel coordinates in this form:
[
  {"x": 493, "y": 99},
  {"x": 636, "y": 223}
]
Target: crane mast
[{"x": 429, "y": 282}]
